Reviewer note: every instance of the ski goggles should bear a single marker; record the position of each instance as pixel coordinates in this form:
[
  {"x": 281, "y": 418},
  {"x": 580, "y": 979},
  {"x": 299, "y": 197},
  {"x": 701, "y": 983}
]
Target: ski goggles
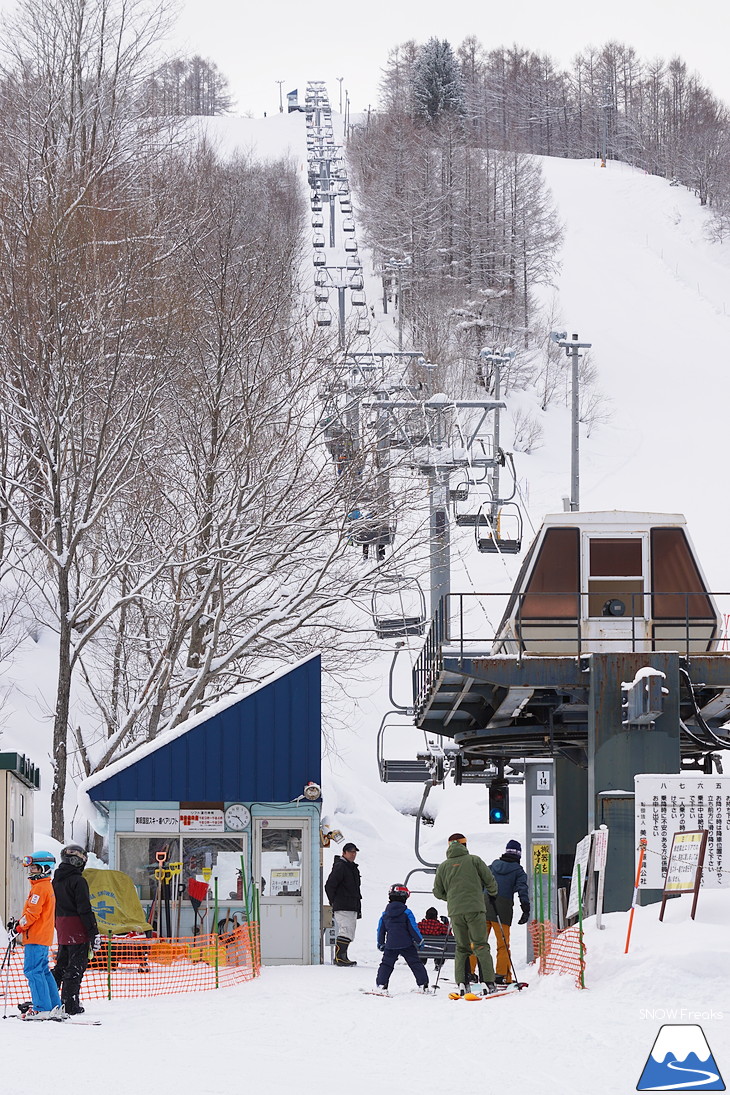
[{"x": 28, "y": 861}]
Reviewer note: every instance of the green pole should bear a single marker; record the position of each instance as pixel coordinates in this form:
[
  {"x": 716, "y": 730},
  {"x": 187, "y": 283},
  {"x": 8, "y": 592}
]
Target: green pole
[
  {"x": 216, "y": 936},
  {"x": 257, "y": 922},
  {"x": 580, "y": 928},
  {"x": 109, "y": 967},
  {"x": 244, "y": 889}
]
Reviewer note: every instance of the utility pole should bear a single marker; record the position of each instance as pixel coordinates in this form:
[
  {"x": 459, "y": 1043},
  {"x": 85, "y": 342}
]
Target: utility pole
[
  {"x": 281, "y": 101},
  {"x": 572, "y": 347},
  {"x": 339, "y": 80},
  {"x": 398, "y": 265}
]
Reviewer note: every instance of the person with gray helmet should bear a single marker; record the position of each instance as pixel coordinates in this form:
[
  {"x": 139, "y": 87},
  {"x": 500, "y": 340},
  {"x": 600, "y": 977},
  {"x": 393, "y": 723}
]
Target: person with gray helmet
[
  {"x": 343, "y": 891},
  {"x": 76, "y": 928},
  {"x": 461, "y": 881}
]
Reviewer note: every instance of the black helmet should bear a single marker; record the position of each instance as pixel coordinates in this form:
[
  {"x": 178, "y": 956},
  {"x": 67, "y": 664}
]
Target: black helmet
[
  {"x": 398, "y": 892},
  {"x": 74, "y": 854}
]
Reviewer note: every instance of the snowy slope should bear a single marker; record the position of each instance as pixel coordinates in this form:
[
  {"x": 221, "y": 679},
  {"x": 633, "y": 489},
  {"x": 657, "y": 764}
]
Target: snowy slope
[{"x": 640, "y": 281}]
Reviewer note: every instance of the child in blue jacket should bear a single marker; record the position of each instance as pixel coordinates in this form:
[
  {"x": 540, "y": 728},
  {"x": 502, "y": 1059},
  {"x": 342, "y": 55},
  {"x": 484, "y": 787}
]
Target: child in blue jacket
[{"x": 399, "y": 936}]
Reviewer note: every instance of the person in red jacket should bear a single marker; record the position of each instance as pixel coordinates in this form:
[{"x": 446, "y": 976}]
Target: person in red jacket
[
  {"x": 35, "y": 929},
  {"x": 431, "y": 925}
]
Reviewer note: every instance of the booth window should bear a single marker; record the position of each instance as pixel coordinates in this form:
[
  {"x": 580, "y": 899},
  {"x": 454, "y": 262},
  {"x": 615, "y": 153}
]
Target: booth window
[
  {"x": 281, "y": 862},
  {"x": 615, "y": 578},
  {"x": 679, "y": 591},
  {"x": 137, "y": 858},
  {"x": 552, "y": 592}
]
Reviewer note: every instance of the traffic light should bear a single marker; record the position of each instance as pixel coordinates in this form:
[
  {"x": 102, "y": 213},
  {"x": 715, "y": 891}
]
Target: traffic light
[{"x": 499, "y": 802}]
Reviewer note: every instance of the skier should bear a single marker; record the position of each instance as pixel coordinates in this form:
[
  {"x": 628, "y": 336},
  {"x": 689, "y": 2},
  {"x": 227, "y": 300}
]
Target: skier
[
  {"x": 511, "y": 879},
  {"x": 35, "y": 929},
  {"x": 460, "y": 881},
  {"x": 399, "y": 936},
  {"x": 343, "y": 891},
  {"x": 76, "y": 927},
  {"x": 432, "y": 925}
]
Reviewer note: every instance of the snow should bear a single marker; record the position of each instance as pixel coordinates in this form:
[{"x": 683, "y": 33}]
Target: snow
[{"x": 640, "y": 281}]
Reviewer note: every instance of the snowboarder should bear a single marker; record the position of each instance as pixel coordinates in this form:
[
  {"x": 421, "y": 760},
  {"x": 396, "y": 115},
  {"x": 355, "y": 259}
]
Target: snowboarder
[
  {"x": 343, "y": 891},
  {"x": 461, "y": 881},
  {"x": 76, "y": 928},
  {"x": 399, "y": 936},
  {"x": 35, "y": 929},
  {"x": 511, "y": 879}
]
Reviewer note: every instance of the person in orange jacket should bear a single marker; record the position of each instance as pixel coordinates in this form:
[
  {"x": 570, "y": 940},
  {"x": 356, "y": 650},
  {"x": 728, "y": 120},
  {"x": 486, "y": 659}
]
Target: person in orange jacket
[{"x": 35, "y": 930}]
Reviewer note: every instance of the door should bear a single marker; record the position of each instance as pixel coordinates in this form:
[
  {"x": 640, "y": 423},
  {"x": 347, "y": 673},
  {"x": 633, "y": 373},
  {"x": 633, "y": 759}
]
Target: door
[{"x": 283, "y": 870}]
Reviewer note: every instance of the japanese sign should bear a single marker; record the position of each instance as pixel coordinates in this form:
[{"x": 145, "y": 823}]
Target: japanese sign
[
  {"x": 201, "y": 821},
  {"x": 669, "y": 804},
  {"x": 582, "y": 853},
  {"x": 286, "y": 881},
  {"x": 543, "y": 814},
  {"x": 156, "y": 821},
  {"x": 541, "y": 858}
]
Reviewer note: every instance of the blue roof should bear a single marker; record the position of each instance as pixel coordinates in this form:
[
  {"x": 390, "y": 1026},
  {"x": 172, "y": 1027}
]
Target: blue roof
[{"x": 263, "y": 747}]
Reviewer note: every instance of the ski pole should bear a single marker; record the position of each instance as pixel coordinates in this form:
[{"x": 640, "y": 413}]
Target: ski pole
[
  {"x": 442, "y": 963},
  {"x": 506, "y": 947},
  {"x": 6, "y": 964}
]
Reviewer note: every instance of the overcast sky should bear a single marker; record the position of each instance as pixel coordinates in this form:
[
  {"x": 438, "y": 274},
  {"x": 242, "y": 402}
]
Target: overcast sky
[{"x": 257, "y": 44}]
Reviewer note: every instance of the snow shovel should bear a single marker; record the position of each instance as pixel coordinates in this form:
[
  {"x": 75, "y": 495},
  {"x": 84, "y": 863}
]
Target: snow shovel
[{"x": 197, "y": 892}]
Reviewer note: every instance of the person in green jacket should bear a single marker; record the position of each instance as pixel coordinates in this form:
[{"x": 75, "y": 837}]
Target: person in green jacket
[{"x": 461, "y": 881}]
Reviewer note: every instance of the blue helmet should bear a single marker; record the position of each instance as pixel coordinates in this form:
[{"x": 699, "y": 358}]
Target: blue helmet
[{"x": 45, "y": 860}]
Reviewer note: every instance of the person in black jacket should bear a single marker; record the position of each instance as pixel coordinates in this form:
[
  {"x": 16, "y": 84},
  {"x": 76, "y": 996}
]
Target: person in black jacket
[
  {"x": 399, "y": 936},
  {"x": 511, "y": 879},
  {"x": 343, "y": 891},
  {"x": 76, "y": 928}
]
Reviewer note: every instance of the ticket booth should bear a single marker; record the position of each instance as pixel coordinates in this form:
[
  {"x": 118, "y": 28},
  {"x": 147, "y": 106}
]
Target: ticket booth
[
  {"x": 232, "y": 793},
  {"x": 19, "y": 778}
]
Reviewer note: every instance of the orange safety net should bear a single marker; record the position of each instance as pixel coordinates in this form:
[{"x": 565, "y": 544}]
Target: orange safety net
[
  {"x": 130, "y": 966},
  {"x": 559, "y": 951}
]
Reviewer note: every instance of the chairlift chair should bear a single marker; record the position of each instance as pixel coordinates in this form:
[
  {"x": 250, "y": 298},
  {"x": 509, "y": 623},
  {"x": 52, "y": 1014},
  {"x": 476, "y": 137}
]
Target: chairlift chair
[
  {"x": 319, "y": 258},
  {"x": 348, "y": 225},
  {"x": 323, "y": 317},
  {"x": 317, "y": 220},
  {"x": 353, "y": 262},
  {"x": 363, "y": 326},
  {"x": 398, "y": 608},
  {"x": 321, "y": 294},
  {"x": 459, "y": 492},
  {"x": 504, "y": 534},
  {"x": 358, "y": 298},
  {"x": 356, "y": 281},
  {"x": 346, "y": 206},
  {"x": 351, "y": 245},
  {"x": 318, "y": 240},
  {"x": 320, "y": 277}
]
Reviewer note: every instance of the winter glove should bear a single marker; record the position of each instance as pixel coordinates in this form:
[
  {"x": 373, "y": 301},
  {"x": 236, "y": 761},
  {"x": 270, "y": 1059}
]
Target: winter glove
[
  {"x": 381, "y": 946},
  {"x": 525, "y": 915},
  {"x": 96, "y": 945}
]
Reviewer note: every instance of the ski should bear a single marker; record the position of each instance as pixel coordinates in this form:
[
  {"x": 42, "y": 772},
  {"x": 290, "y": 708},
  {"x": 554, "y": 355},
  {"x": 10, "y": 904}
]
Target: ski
[
  {"x": 374, "y": 992},
  {"x": 504, "y": 990},
  {"x": 390, "y": 995},
  {"x": 70, "y": 1020}
]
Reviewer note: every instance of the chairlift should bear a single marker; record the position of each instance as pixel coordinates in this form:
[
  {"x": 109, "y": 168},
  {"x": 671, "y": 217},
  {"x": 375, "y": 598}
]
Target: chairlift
[
  {"x": 503, "y": 534},
  {"x": 363, "y": 326},
  {"x": 346, "y": 205},
  {"x": 321, "y": 294},
  {"x": 319, "y": 258},
  {"x": 320, "y": 277},
  {"x": 348, "y": 225},
  {"x": 459, "y": 492},
  {"x": 351, "y": 245},
  {"x": 358, "y": 297},
  {"x": 317, "y": 220},
  {"x": 398, "y": 607},
  {"x": 356, "y": 281},
  {"x": 353, "y": 263},
  {"x": 323, "y": 317},
  {"x": 316, "y": 203},
  {"x": 318, "y": 239}
]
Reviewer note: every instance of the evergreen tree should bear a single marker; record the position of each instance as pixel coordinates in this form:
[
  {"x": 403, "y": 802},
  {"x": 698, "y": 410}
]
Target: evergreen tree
[{"x": 437, "y": 84}]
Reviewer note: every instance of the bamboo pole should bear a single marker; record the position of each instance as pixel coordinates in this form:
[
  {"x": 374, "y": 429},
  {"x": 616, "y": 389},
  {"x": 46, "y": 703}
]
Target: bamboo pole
[
  {"x": 580, "y": 930},
  {"x": 642, "y": 850},
  {"x": 216, "y": 936}
]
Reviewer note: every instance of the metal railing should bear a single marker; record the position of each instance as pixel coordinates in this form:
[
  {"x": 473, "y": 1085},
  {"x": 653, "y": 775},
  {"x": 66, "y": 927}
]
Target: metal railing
[{"x": 462, "y": 626}]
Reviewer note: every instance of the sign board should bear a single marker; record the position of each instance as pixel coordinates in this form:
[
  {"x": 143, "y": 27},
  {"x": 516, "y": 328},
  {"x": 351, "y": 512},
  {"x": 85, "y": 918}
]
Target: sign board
[
  {"x": 600, "y": 855},
  {"x": 669, "y": 804},
  {"x": 684, "y": 871},
  {"x": 202, "y": 821},
  {"x": 543, "y": 814},
  {"x": 544, "y": 780},
  {"x": 156, "y": 821},
  {"x": 582, "y": 854},
  {"x": 286, "y": 881},
  {"x": 541, "y": 858}
]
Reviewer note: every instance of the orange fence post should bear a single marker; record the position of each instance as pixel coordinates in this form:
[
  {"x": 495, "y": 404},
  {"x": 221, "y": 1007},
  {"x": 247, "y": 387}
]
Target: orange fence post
[{"x": 642, "y": 850}]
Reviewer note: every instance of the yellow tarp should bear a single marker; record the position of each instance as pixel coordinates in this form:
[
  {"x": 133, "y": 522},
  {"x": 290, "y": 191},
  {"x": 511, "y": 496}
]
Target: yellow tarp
[{"x": 115, "y": 902}]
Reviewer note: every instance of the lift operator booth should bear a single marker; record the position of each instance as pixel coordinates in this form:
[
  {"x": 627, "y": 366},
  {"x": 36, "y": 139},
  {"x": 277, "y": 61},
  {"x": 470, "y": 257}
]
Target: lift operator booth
[
  {"x": 19, "y": 778},
  {"x": 226, "y": 783}
]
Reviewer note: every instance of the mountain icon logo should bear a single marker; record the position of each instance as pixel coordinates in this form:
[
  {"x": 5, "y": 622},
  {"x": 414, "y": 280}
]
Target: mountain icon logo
[{"x": 680, "y": 1060}]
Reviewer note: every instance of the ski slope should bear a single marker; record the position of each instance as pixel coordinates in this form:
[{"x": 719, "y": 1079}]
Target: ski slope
[{"x": 640, "y": 281}]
